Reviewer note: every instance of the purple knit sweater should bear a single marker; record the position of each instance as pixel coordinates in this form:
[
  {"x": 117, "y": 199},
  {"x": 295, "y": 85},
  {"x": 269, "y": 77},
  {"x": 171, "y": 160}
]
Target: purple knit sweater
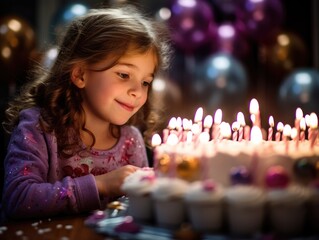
[{"x": 40, "y": 184}]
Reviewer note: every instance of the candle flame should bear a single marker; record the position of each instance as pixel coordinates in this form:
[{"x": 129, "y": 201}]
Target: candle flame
[
  {"x": 199, "y": 115},
  {"x": 225, "y": 129},
  {"x": 302, "y": 124},
  {"x": 254, "y": 106},
  {"x": 172, "y": 139},
  {"x": 208, "y": 121},
  {"x": 313, "y": 123},
  {"x": 280, "y": 126},
  {"x": 287, "y": 130},
  {"x": 294, "y": 133},
  {"x": 256, "y": 135},
  {"x": 156, "y": 140},
  {"x": 189, "y": 137},
  {"x": 299, "y": 113},
  {"x": 271, "y": 121},
  {"x": 204, "y": 137},
  {"x": 218, "y": 116},
  {"x": 172, "y": 123},
  {"x": 307, "y": 118},
  {"x": 235, "y": 126},
  {"x": 187, "y": 124},
  {"x": 241, "y": 119},
  {"x": 178, "y": 122},
  {"x": 195, "y": 128}
]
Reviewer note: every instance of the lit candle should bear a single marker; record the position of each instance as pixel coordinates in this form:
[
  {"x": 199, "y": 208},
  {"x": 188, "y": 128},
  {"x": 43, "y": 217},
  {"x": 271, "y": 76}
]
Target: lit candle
[
  {"x": 217, "y": 121},
  {"x": 302, "y": 129},
  {"x": 254, "y": 110},
  {"x": 286, "y": 135},
  {"x": 208, "y": 122},
  {"x": 256, "y": 138},
  {"x": 235, "y": 128},
  {"x": 293, "y": 134},
  {"x": 241, "y": 121},
  {"x": 313, "y": 124},
  {"x": 225, "y": 130},
  {"x": 187, "y": 124},
  {"x": 280, "y": 128},
  {"x": 199, "y": 117},
  {"x": 271, "y": 128},
  {"x": 256, "y": 135},
  {"x": 299, "y": 116}
]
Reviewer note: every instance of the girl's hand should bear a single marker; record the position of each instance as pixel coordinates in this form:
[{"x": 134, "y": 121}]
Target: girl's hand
[{"x": 110, "y": 183}]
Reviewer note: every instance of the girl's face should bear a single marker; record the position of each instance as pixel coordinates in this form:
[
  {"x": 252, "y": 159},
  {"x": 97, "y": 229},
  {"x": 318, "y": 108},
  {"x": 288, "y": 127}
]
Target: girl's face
[{"x": 116, "y": 94}]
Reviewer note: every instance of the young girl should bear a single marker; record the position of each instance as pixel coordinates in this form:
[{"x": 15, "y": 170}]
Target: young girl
[{"x": 73, "y": 140}]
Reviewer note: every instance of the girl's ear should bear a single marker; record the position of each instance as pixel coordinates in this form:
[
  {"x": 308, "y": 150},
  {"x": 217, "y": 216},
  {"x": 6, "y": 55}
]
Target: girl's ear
[{"x": 77, "y": 77}]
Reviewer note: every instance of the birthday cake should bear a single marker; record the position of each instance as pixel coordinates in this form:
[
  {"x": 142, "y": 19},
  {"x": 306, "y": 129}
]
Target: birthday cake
[{"x": 251, "y": 183}]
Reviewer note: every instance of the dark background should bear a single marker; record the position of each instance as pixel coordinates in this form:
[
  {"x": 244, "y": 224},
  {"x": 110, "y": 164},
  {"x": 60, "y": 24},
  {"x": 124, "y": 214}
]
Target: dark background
[{"x": 301, "y": 19}]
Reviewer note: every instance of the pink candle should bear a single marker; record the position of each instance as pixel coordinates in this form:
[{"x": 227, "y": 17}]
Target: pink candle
[
  {"x": 208, "y": 122},
  {"x": 302, "y": 129},
  {"x": 242, "y": 123},
  {"x": 280, "y": 128},
  {"x": 314, "y": 129},
  {"x": 271, "y": 128},
  {"x": 299, "y": 116},
  {"x": 235, "y": 128}
]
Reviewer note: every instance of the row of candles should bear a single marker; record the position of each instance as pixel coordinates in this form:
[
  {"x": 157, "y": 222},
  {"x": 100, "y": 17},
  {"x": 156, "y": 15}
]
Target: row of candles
[{"x": 209, "y": 128}]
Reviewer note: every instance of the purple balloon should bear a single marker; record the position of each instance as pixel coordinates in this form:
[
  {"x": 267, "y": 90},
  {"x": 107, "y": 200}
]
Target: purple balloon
[
  {"x": 263, "y": 18},
  {"x": 191, "y": 23}
]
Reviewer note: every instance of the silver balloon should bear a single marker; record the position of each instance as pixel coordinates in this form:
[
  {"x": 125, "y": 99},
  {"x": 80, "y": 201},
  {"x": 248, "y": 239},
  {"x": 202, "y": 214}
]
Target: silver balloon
[
  {"x": 221, "y": 80},
  {"x": 300, "y": 89}
]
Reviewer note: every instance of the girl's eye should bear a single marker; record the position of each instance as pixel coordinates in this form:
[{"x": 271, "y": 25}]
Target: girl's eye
[
  {"x": 123, "y": 75},
  {"x": 146, "y": 84}
]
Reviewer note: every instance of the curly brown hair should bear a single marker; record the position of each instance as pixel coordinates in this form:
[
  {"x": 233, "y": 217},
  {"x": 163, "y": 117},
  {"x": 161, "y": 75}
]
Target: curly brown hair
[{"x": 89, "y": 39}]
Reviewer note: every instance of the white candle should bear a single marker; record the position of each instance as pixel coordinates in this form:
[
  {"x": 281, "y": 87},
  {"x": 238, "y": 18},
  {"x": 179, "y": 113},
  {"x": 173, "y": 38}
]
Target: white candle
[
  {"x": 217, "y": 121},
  {"x": 286, "y": 135},
  {"x": 225, "y": 130},
  {"x": 280, "y": 128},
  {"x": 199, "y": 117},
  {"x": 254, "y": 110}
]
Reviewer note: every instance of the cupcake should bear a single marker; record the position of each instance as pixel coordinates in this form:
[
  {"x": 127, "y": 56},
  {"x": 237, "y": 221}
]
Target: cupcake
[
  {"x": 245, "y": 204},
  {"x": 168, "y": 195},
  {"x": 286, "y": 203},
  {"x": 204, "y": 203},
  {"x": 137, "y": 187}
]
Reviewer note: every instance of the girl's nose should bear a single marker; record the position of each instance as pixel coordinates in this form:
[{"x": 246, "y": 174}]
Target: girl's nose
[{"x": 135, "y": 89}]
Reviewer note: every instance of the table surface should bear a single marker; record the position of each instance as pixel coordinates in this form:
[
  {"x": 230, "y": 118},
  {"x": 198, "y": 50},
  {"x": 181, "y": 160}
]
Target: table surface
[{"x": 58, "y": 228}]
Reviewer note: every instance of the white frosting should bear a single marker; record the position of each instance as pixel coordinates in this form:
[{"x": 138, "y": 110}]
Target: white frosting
[
  {"x": 292, "y": 195},
  {"x": 166, "y": 188},
  {"x": 245, "y": 195},
  {"x": 139, "y": 183},
  {"x": 218, "y": 157},
  {"x": 197, "y": 193}
]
